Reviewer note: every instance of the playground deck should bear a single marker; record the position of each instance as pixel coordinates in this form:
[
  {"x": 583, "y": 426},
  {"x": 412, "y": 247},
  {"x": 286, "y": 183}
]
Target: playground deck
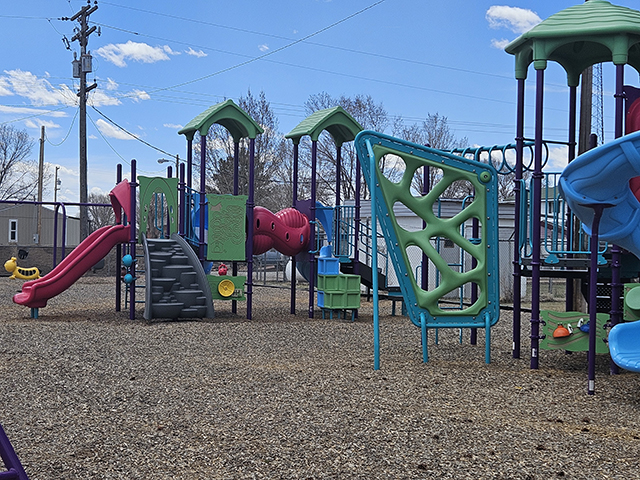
[{"x": 88, "y": 393}]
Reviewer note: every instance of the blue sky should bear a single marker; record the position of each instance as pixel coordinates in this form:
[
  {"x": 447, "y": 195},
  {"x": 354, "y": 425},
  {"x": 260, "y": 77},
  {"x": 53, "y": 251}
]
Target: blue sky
[{"x": 159, "y": 64}]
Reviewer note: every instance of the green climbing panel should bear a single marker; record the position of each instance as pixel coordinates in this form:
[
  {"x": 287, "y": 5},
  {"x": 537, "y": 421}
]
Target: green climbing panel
[
  {"x": 396, "y": 165},
  {"x": 578, "y": 341},
  {"x": 227, "y": 224}
]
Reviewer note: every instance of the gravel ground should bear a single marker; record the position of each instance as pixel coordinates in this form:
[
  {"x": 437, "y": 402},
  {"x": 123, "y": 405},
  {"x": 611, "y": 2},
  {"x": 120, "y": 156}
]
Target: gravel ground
[{"x": 89, "y": 394}]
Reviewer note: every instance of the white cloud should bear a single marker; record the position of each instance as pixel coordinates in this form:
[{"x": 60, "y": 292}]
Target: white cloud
[
  {"x": 500, "y": 44},
  {"x": 196, "y": 53},
  {"x": 98, "y": 98},
  {"x": 39, "y": 91},
  {"x": 111, "y": 131},
  {"x": 117, "y": 53},
  {"x": 31, "y": 111},
  {"x": 516, "y": 19},
  {"x": 174, "y": 126},
  {"x": 4, "y": 87},
  {"x": 139, "y": 95},
  {"x": 168, "y": 50},
  {"x": 557, "y": 159},
  {"x": 111, "y": 84},
  {"x": 37, "y": 123},
  {"x": 263, "y": 47}
]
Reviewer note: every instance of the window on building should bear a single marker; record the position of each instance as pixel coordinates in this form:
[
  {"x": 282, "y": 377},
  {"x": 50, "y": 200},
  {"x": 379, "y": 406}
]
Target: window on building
[{"x": 13, "y": 231}]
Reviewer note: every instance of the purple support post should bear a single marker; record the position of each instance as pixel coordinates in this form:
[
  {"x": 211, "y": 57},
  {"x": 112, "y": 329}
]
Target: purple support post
[
  {"x": 132, "y": 243},
  {"x": 593, "y": 293},
  {"x": 182, "y": 201},
  {"x": 573, "y": 107},
  {"x": 15, "y": 471},
  {"x": 294, "y": 203},
  {"x": 338, "y": 175},
  {"x": 616, "y": 251},
  {"x": 118, "y": 254},
  {"x": 537, "y": 190},
  {"x": 424, "y": 280},
  {"x": 517, "y": 272},
  {"x": 203, "y": 159},
  {"x": 337, "y": 240},
  {"x": 190, "y": 163},
  {"x": 55, "y": 232},
  {"x": 236, "y": 191},
  {"x": 356, "y": 221},
  {"x": 249, "y": 244},
  {"x": 312, "y": 230},
  {"x": 169, "y": 175}
]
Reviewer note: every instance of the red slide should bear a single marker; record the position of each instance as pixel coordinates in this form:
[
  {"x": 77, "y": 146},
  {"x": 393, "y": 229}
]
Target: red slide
[{"x": 94, "y": 248}]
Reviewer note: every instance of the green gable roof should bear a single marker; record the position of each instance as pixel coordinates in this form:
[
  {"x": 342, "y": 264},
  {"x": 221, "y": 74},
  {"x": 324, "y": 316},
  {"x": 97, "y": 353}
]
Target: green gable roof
[
  {"x": 578, "y": 37},
  {"x": 227, "y": 114},
  {"x": 340, "y": 125}
]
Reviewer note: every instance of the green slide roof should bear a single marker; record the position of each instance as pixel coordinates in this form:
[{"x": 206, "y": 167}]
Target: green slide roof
[
  {"x": 578, "y": 37},
  {"x": 340, "y": 125},
  {"x": 227, "y": 114}
]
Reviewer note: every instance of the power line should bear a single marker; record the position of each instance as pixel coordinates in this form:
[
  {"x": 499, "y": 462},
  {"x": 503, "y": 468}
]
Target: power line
[
  {"x": 68, "y": 133},
  {"x": 131, "y": 134},
  {"x": 273, "y": 52}
]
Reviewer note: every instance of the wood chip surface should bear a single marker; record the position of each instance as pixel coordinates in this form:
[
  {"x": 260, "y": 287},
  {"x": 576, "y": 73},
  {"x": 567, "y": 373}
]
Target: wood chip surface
[{"x": 89, "y": 394}]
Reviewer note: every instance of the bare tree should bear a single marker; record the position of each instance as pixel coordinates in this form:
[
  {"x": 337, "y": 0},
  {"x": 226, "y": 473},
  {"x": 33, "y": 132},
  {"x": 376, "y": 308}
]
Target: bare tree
[
  {"x": 18, "y": 173},
  {"x": 434, "y": 132},
  {"x": 100, "y": 216},
  {"x": 268, "y": 160},
  {"x": 366, "y": 112}
]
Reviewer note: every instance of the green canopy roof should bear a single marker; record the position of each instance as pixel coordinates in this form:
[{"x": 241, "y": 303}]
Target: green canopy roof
[
  {"x": 227, "y": 114},
  {"x": 578, "y": 37},
  {"x": 340, "y": 125}
]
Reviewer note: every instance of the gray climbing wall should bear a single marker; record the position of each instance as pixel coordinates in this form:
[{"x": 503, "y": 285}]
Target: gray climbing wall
[{"x": 176, "y": 285}]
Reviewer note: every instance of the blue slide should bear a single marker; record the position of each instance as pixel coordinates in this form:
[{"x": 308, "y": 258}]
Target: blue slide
[
  {"x": 624, "y": 345},
  {"x": 602, "y": 176}
]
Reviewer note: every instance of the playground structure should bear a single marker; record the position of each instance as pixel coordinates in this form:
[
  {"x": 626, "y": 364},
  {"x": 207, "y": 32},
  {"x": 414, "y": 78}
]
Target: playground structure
[
  {"x": 204, "y": 220},
  {"x": 576, "y": 38},
  {"x": 572, "y": 210}
]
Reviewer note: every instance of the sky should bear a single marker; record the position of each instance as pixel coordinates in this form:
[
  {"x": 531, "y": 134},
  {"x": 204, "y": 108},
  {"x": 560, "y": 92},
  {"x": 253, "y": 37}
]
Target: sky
[{"x": 158, "y": 64}]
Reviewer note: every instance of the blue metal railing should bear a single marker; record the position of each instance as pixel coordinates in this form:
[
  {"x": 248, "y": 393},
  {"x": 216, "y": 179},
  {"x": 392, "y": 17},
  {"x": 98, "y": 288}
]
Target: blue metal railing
[{"x": 561, "y": 235}]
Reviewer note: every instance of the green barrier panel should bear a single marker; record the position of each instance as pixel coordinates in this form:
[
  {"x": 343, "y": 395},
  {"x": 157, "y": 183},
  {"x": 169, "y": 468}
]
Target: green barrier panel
[
  {"x": 218, "y": 293},
  {"x": 168, "y": 187},
  {"x": 227, "y": 227},
  {"x": 577, "y": 341}
]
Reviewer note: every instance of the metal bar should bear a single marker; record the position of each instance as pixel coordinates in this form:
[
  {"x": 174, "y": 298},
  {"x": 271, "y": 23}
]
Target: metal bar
[
  {"x": 118, "y": 272},
  {"x": 535, "y": 220},
  {"x": 249, "y": 243},
  {"x": 294, "y": 202},
  {"x": 374, "y": 258},
  {"x": 312, "y": 213},
  {"x": 132, "y": 243}
]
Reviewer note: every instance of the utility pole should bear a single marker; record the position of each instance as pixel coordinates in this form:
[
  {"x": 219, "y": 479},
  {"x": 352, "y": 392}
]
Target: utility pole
[{"x": 81, "y": 67}]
